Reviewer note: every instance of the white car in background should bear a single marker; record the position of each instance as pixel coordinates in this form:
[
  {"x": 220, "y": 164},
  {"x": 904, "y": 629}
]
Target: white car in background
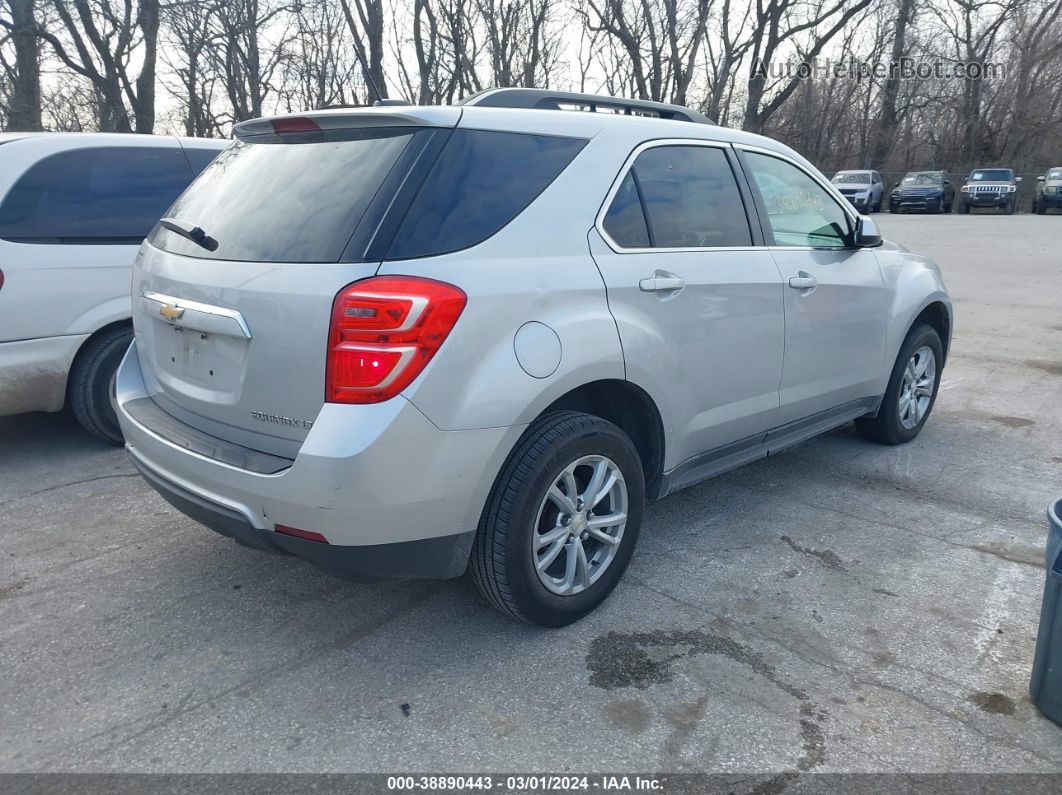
[
  {"x": 74, "y": 207},
  {"x": 863, "y": 188}
]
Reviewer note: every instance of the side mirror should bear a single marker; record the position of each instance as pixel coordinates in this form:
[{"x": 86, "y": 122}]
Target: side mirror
[
  {"x": 896, "y": 185},
  {"x": 947, "y": 182},
  {"x": 1017, "y": 179},
  {"x": 1038, "y": 179},
  {"x": 866, "y": 233}
]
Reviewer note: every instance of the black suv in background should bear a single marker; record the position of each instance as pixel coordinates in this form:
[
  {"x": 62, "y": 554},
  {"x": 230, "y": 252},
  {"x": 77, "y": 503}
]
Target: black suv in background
[
  {"x": 925, "y": 191},
  {"x": 990, "y": 187}
]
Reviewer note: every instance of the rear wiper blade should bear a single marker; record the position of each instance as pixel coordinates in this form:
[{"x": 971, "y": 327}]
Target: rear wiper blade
[{"x": 190, "y": 231}]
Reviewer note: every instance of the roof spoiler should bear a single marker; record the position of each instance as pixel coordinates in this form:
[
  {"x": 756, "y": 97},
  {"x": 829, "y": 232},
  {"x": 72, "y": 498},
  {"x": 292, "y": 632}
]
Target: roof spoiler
[
  {"x": 544, "y": 99},
  {"x": 354, "y": 118}
]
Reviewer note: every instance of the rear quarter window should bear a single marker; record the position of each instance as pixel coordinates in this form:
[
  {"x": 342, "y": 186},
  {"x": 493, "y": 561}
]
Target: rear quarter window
[
  {"x": 112, "y": 194},
  {"x": 481, "y": 181}
]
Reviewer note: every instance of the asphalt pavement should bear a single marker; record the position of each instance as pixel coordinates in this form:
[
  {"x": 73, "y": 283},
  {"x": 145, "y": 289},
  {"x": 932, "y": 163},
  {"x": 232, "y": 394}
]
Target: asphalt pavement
[{"x": 842, "y": 606}]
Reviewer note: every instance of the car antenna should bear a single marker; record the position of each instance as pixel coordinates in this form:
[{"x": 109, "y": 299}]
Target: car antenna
[{"x": 368, "y": 75}]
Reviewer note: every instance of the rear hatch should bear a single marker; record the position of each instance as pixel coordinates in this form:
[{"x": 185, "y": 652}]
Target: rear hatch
[{"x": 232, "y": 331}]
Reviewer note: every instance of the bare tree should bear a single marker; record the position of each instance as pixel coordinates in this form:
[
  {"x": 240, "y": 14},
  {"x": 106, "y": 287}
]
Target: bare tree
[
  {"x": 725, "y": 49},
  {"x": 782, "y": 22},
  {"x": 321, "y": 68},
  {"x": 661, "y": 40},
  {"x": 888, "y": 120},
  {"x": 973, "y": 28},
  {"x": 366, "y": 24},
  {"x": 522, "y": 42},
  {"x": 22, "y": 101},
  {"x": 189, "y": 55},
  {"x": 100, "y": 40},
  {"x": 247, "y": 62}
]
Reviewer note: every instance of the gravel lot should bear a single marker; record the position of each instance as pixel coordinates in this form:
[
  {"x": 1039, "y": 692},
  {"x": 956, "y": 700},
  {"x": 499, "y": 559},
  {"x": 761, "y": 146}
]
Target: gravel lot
[{"x": 840, "y": 607}]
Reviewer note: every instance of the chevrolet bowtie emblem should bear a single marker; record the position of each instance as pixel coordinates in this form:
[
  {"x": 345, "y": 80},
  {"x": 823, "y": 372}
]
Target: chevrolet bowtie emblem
[{"x": 171, "y": 312}]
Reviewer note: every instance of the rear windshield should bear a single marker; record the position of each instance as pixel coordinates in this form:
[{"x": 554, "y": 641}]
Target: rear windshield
[{"x": 292, "y": 199}]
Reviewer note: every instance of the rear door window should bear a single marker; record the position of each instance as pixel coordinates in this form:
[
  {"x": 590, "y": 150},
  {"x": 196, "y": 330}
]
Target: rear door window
[
  {"x": 481, "y": 181},
  {"x": 290, "y": 198},
  {"x": 113, "y": 194},
  {"x": 691, "y": 200}
]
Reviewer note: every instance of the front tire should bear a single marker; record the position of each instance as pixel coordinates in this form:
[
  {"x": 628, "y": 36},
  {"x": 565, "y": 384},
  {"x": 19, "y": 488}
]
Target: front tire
[
  {"x": 562, "y": 520},
  {"x": 912, "y": 390},
  {"x": 88, "y": 391},
  {"x": 964, "y": 208}
]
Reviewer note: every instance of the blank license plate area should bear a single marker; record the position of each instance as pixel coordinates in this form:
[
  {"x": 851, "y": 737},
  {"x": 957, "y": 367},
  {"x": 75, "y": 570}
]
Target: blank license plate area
[{"x": 192, "y": 358}]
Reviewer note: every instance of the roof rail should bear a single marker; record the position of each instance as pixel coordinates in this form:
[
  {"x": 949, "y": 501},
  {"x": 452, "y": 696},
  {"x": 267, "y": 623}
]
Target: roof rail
[{"x": 545, "y": 99}]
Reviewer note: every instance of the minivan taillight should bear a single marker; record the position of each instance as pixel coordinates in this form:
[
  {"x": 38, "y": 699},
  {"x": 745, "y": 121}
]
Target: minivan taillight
[{"x": 384, "y": 331}]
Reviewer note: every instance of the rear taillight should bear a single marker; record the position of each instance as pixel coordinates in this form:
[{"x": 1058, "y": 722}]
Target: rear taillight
[{"x": 384, "y": 331}]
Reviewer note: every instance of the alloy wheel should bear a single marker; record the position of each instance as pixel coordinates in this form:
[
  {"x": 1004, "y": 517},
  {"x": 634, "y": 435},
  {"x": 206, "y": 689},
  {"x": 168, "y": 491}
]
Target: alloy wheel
[
  {"x": 580, "y": 525},
  {"x": 916, "y": 387}
]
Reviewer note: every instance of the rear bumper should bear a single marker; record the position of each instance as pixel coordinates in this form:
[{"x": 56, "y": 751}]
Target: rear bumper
[
  {"x": 443, "y": 557},
  {"x": 33, "y": 373},
  {"x": 394, "y": 495}
]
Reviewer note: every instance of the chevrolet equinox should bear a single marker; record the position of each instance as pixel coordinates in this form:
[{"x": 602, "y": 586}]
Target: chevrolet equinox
[{"x": 409, "y": 341}]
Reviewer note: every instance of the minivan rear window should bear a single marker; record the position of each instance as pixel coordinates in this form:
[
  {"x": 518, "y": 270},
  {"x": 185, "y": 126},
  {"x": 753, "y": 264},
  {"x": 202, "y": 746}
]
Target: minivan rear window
[
  {"x": 290, "y": 198},
  {"x": 481, "y": 180},
  {"x": 94, "y": 195}
]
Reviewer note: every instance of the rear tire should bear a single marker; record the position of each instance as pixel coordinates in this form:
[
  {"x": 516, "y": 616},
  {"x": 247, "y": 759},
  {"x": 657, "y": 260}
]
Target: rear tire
[
  {"x": 510, "y": 552},
  {"x": 894, "y": 424},
  {"x": 88, "y": 390}
]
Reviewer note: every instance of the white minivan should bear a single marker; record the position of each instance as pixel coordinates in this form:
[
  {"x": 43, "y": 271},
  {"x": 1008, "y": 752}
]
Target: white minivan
[{"x": 74, "y": 207}]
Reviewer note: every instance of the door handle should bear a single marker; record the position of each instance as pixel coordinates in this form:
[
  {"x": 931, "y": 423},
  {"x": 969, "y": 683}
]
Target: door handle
[
  {"x": 804, "y": 281},
  {"x": 661, "y": 282}
]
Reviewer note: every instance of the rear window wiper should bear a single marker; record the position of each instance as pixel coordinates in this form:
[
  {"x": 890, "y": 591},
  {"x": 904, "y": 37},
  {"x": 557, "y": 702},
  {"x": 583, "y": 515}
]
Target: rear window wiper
[{"x": 191, "y": 232}]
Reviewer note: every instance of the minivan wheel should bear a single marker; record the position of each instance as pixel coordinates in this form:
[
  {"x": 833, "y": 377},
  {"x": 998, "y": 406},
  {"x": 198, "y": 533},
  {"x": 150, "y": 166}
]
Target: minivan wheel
[
  {"x": 912, "y": 390},
  {"x": 562, "y": 520},
  {"x": 88, "y": 391}
]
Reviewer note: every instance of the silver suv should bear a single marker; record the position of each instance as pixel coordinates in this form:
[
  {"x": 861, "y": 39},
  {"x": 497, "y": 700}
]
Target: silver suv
[{"x": 407, "y": 341}]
